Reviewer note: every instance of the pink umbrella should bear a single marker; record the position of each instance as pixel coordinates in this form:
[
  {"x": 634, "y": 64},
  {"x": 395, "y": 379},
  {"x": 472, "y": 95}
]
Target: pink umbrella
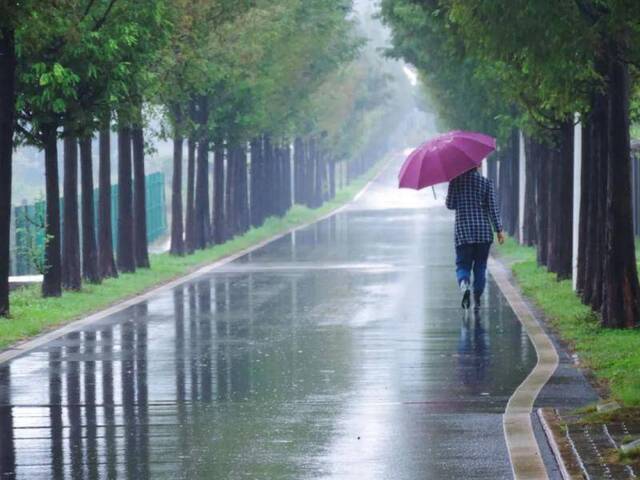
[{"x": 445, "y": 157}]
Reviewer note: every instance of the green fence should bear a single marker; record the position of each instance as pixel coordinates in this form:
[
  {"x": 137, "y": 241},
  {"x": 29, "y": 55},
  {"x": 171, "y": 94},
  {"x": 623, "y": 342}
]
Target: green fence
[{"x": 29, "y": 224}]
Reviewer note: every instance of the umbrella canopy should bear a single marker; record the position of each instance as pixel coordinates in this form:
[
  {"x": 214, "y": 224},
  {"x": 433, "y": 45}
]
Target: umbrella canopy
[{"x": 445, "y": 157}]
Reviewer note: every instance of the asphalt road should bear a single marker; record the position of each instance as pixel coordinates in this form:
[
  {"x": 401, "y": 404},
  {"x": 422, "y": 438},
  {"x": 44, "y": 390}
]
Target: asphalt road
[{"x": 339, "y": 351}]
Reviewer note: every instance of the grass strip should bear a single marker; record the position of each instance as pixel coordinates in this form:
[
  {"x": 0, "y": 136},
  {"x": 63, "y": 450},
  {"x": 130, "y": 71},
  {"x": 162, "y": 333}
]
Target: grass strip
[
  {"x": 31, "y": 314},
  {"x": 613, "y": 355}
]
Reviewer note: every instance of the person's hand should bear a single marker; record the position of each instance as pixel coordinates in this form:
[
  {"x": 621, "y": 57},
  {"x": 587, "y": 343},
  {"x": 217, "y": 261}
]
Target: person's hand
[{"x": 500, "y": 238}]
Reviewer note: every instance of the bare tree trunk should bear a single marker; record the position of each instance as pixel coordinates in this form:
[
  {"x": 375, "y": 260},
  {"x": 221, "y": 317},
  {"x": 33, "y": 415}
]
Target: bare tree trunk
[
  {"x": 140, "y": 193},
  {"x": 90, "y": 270},
  {"x": 105, "y": 231},
  {"x": 71, "y": 272},
  {"x": 7, "y": 116},
  {"x": 126, "y": 234},
  {"x": 52, "y": 282},
  {"x": 177, "y": 229}
]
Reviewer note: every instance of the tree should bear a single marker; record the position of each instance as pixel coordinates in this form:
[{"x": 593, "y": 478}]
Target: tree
[
  {"x": 71, "y": 270},
  {"x": 7, "y": 114},
  {"x": 106, "y": 260},
  {"x": 90, "y": 268},
  {"x": 126, "y": 234}
]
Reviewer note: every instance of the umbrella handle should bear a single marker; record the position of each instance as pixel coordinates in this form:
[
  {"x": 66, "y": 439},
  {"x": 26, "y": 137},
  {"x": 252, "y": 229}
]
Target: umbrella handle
[{"x": 434, "y": 192}]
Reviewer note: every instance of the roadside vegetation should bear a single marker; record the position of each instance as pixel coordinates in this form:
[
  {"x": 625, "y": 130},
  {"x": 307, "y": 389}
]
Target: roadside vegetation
[
  {"x": 267, "y": 104},
  {"x": 612, "y": 355}
]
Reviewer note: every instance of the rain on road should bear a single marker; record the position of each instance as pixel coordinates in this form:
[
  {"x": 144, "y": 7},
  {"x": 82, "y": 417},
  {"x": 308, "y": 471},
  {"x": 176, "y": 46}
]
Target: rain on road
[{"x": 339, "y": 351}]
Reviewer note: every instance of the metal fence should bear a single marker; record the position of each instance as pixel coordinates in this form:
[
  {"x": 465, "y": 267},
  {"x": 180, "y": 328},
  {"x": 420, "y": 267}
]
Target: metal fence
[{"x": 27, "y": 234}]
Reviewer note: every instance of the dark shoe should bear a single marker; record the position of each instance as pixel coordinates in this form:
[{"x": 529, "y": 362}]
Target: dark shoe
[
  {"x": 477, "y": 299},
  {"x": 466, "y": 294}
]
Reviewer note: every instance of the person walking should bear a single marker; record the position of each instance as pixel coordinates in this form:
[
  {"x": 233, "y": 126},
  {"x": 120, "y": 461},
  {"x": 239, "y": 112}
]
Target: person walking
[{"x": 473, "y": 198}]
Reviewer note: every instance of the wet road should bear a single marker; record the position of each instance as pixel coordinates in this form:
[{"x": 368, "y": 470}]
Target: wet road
[{"x": 339, "y": 351}]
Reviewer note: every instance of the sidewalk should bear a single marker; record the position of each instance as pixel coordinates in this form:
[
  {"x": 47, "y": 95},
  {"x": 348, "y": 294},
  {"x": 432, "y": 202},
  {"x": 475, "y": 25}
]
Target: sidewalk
[{"x": 585, "y": 442}]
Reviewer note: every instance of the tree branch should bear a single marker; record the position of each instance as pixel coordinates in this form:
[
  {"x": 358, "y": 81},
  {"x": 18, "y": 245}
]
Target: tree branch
[{"x": 104, "y": 17}]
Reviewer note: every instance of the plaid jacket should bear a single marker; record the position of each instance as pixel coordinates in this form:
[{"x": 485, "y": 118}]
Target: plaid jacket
[{"x": 473, "y": 198}]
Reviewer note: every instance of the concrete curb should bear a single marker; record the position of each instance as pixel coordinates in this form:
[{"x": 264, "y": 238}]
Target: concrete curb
[
  {"x": 551, "y": 438},
  {"x": 15, "y": 351},
  {"x": 524, "y": 452}
]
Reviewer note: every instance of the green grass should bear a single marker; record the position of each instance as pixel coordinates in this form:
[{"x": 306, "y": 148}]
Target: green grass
[
  {"x": 31, "y": 314},
  {"x": 613, "y": 355}
]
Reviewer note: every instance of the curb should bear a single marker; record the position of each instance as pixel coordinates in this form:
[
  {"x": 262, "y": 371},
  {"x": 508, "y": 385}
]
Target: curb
[
  {"x": 569, "y": 469},
  {"x": 524, "y": 451}
]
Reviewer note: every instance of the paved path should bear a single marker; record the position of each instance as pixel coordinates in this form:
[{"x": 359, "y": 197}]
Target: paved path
[{"x": 339, "y": 351}]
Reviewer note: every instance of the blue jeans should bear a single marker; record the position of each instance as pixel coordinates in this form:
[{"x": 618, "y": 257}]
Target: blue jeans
[{"x": 473, "y": 257}]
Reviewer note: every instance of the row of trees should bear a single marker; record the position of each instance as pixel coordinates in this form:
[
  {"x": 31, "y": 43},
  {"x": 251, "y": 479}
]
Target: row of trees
[
  {"x": 241, "y": 87},
  {"x": 537, "y": 67}
]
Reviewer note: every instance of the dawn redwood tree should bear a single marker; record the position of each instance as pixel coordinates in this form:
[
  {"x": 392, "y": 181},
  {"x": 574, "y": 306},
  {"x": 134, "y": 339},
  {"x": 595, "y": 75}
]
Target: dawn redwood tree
[
  {"x": 190, "y": 230},
  {"x": 71, "y": 270},
  {"x": 106, "y": 260},
  {"x": 7, "y": 116},
  {"x": 202, "y": 223},
  {"x": 621, "y": 291},
  {"x": 90, "y": 267},
  {"x": 126, "y": 233},
  {"x": 177, "y": 222},
  {"x": 218, "y": 193},
  {"x": 529, "y": 221},
  {"x": 52, "y": 278},
  {"x": 139, "y": 191},
  {"x": 230, "y": 195}
]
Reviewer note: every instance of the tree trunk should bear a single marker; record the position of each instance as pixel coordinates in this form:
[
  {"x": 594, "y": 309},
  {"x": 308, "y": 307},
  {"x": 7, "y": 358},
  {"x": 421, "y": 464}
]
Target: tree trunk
[
  {"x": 298, "y": 168},
  {"x": 202, "y": 212},
  {"x": 126, "y": 234},
  {"x": 257, "y": 183},
  {"x": 140, "y": 195},
  {"x": 177, "y": 229},
  {"x": 287, "y": 178},
  {"x": 564, "y": 206},
  {"x": 553, "y": 160},
  {"x": 515, "y": 183},
  {"x": 269, "y": 161},
  {"x": 7, "y": 115},
  {"x": 229, "y": 191},
  {"x": 621, "y": 292},
  {"x": 586, "y": 224},
  {"x": 90, "y": 270},
  {"x": 529, "y": 221},
  {"x": 542, "y": 198},
  {"x": 105, "y": 232},
  {"x": 52, "y": 282},
  {"x": 71, "y": 271},
  {"x": 242, "y": 203},
  {"x": 600, "y": 140},
  {"x": 218, "y": 192},
  {"x": 332, "y": 180},
  {"x": 190, "y": 230}
]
